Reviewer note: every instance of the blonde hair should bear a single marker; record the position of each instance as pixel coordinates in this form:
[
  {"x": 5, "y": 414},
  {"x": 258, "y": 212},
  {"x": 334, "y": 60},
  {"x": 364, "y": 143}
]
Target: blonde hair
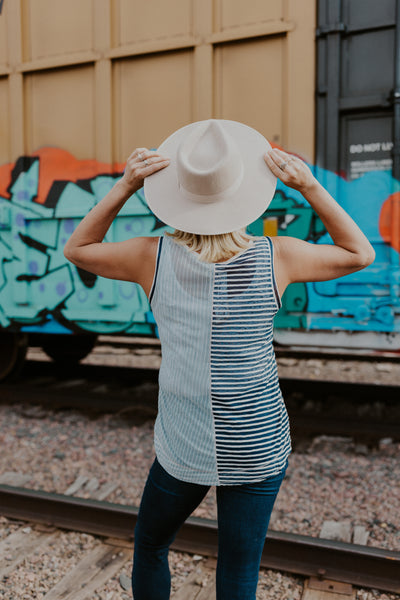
[{"x": 213, "y": 248}]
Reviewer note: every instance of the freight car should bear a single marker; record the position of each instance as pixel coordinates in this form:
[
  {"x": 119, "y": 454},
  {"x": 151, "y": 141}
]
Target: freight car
[{"x": 81, "y": 83}]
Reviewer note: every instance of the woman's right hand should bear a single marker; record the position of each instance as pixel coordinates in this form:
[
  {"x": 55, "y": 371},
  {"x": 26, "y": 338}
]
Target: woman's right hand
[
  {"x": 292, "y": 171},
  {"x": 140, "y": 164}
]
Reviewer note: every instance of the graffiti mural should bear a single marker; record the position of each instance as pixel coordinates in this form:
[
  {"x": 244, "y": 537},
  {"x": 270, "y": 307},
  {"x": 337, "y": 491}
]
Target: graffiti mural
[
  {"x": 368, "y": 300},
  {"x": 44, "y": 196},
  {"x": 42, "y": 199}
]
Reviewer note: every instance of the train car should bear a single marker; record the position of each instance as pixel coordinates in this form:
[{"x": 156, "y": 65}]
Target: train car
[{"x": 82, "y": 83}]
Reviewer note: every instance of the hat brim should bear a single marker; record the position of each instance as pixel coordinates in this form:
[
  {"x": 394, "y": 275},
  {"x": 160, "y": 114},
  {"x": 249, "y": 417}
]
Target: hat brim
[{"x": 229, "y": 213}]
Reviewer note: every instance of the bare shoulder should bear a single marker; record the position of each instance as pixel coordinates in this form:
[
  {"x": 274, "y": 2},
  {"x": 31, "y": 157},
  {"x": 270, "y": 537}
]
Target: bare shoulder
[
  {"x": 285, "y": 246},
  {"x": 144, "y": 247},
  {"x": 144, "y": 251}
]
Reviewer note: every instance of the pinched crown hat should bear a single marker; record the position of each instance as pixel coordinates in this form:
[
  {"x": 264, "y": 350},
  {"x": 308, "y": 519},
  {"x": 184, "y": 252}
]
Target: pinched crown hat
[{"x": 217, "y": 180}]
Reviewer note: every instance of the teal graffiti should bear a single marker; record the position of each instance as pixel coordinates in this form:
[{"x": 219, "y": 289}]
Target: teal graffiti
[{"x": 40, "y": 290}]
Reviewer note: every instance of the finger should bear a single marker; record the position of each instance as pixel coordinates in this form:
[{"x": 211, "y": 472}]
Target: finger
[
  {"x": 283, "y": 160},
  {"x": 282, "y": 154},
  {"x": 289, "y": 159},
  {"x": 148, "y": 156},
  {"x": 155, "y": 166},
  {"x": 151, "y": 160},
  {"x": 136, "y": 152},
  {"x": 276, "y": 170},
  {"x": 276, "y": 158}
]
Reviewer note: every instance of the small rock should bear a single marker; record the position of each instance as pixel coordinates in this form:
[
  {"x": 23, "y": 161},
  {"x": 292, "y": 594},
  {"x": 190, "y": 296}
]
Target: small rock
[
  {"x": 385, "y": 442},
  {"x": 197, "y": 557},
  {"x": 287, "y": 362},
  {"x": 361, "y": 449},
  {"x": 383, "y": 368},
  {"x": 360, "y": 535},
  {"x": 58, "y": 454},
  {"x": 125, "y": 582},
  {"x": 336, "y": 530}
]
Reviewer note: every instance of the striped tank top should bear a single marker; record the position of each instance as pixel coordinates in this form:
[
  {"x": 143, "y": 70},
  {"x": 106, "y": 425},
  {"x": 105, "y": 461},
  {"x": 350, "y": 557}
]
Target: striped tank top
[{"x": 221, "y": 416}]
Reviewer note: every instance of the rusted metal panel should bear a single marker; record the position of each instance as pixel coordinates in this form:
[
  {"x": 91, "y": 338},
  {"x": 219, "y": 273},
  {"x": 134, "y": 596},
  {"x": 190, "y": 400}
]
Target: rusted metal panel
[
  {"x": 4, "y": 121},
  {"x": 236, "y": 13},
  {"x": 134, "y": 21},
  {"x": 55, "y": 27},
  {"x": 185, "y": 69},
  {"x": 153, "y": 97},
  {"x": 59, "y": 110},
  {"x": 245, "y": 92}
]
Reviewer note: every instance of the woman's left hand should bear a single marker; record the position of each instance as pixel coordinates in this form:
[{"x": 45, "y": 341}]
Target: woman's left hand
[
  {"x": 140, "y": 164},
  {"x": 291, "y": 170}
]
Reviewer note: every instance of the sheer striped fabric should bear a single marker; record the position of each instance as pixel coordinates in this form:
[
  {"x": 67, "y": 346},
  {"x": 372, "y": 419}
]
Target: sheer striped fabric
[{"x": 221, "y": 419}]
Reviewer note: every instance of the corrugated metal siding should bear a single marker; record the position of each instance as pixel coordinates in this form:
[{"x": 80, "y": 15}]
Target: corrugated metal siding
[{"x": 97, "y": 78}]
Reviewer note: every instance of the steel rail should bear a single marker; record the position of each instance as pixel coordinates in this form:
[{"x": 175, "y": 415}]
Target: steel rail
[
  {"x": 143, "y": 405},
  {"x": 134, "y": 392},
  {"x": 301, "y": 352},
  {"x": 303, "y": 555},
  {"x": 321, "y": 388}
]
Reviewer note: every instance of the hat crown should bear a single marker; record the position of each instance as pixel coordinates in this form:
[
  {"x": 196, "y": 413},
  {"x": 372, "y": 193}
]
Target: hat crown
[{"x": 208, "y": 162}]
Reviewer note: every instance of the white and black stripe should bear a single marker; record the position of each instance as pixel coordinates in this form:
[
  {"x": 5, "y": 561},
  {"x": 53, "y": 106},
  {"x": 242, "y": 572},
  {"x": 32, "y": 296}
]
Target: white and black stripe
[
  {"x": 250, "y": 418},
  {"x": 221, "y": 417}
]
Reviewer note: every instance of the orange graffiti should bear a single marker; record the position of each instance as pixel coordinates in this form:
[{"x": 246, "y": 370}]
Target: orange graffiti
[
  {"x": 59, "y": 165},
  {"x": 389, "y": 221},
  {"x": 56, "y": 164}
]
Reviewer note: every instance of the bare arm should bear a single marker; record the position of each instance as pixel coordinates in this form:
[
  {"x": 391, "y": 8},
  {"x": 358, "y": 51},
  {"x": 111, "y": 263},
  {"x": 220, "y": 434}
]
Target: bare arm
[
  {"x": 297, "y": 260},
  {"x": 131, "y": 260}
]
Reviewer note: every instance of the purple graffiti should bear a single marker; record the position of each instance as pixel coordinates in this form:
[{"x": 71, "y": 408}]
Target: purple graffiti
[
  {"x": 20, "y": 220},
  {"x": 23, "y": 195},
  {"x": 61, "y": 289},
  {"x": 42, "y": 287},
  {"x": 69, "y": 225},
  {"x": 129, "y": 294},
  {"x": 33, "y": 267},
  {"x": 82, "y": 295}
]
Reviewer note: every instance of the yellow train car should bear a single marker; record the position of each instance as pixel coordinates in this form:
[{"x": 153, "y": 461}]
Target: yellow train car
[
  {"x": 98, "y": 77},
  {"x": 84, "y": 82}
]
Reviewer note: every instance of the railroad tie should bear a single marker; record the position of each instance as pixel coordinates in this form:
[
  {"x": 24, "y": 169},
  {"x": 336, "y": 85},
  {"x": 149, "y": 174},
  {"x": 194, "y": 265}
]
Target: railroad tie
[
  {"x": 200, "y": 584},
  {"x": 327, "y": 589},
  {"x": 95, "y": 569}
]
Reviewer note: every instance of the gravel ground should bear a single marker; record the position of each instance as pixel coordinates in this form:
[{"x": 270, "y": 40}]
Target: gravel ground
[
  {"x": 33, "y": 578},
  {"x": 48, "y": 564},
  {"x": 57, "y": 447}
]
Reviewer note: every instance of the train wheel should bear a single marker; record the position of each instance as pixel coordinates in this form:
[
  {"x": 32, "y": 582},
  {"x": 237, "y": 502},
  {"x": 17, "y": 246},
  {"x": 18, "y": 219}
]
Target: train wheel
[
  {"x": 13, "y": 347},
  {"x": 68, "y": 348}
]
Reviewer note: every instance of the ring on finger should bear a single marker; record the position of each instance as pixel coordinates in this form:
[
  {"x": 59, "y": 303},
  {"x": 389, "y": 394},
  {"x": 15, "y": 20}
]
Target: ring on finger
[
  {"x": 146, "y": 162},
  {"x": 283, "y": 165},
  {"x": 140, "y": 156}
]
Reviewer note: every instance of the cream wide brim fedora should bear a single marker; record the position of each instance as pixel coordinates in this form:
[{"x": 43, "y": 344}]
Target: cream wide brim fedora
[{"x": 217, "y": 180}]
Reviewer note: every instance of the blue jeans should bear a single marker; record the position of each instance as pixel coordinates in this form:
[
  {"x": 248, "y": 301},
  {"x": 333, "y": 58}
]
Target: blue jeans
[{"x": 243, "y": 517}]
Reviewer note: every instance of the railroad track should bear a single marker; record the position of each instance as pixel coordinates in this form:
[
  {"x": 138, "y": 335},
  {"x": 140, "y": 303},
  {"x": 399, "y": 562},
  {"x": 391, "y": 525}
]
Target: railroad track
[
  {"x": 134, "y": 343},
  {"x": 108, "y": 559},
  {"x": 322, "y": 559},
  {"x": 133, "y": 392}
]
